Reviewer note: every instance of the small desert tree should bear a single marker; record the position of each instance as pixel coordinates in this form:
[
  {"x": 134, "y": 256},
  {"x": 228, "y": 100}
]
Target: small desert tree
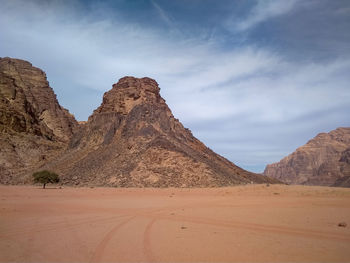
[{"x": 44, "y": 177}]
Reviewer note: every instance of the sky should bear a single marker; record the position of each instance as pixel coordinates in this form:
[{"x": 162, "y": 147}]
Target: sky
[{"x": 252, "y": 79}]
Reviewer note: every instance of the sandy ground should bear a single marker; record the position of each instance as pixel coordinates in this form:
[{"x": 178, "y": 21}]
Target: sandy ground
[{"x": 252, "y": 223}]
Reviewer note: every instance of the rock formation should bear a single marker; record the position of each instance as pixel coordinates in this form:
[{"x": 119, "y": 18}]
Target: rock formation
[
  {"x": 33, "y": 126},
  {"x": 131, "y": 140},
  {"x": 324, "y": 160}
]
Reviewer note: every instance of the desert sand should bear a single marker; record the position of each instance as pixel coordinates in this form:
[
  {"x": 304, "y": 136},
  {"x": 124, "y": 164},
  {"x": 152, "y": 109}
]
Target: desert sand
[{"x": 255, "y": 223}]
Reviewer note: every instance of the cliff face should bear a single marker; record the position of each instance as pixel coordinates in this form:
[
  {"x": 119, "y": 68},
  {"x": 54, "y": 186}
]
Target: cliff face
[
  {"x": 33, "y": 126},
  {"x": 324, "y": 160},
  {"x": 132, "y": 139}
]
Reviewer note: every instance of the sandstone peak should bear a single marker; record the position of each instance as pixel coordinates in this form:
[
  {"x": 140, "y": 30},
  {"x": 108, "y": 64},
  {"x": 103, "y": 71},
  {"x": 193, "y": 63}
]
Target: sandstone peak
[
  {"x": 133, "y": 140},
  {"x": 139, "y": 83},
  {"x": 20, "y": 62},
  {"x": 129, "y": 92}
]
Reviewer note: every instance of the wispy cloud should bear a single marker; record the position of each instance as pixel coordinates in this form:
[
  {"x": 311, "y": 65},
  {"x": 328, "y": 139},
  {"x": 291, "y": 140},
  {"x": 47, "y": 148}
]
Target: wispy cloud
[
  {"x": 163, "y": 15},
  {"x": 262, "y": 11}
]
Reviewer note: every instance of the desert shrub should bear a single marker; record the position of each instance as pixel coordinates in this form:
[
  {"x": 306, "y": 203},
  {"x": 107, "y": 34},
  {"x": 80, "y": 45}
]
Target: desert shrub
[{"x": 44, "y": 177}]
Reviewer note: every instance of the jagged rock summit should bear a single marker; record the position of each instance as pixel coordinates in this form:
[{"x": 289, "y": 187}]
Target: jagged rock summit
[
  {"x": 131, "y": 140},
  {"x": 33, "y": 126},
  {"x": 324, "y": 160},
  {"x": 128, "y": 93}
]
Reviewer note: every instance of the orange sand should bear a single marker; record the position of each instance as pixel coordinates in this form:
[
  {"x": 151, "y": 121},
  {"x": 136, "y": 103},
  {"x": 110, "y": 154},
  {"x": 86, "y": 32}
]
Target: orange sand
[{"x": 238, "y": 224}]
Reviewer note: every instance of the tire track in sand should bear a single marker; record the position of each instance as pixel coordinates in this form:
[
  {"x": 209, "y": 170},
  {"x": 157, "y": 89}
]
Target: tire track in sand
[
  {"x": 96, "y": 257},
  {"x": 147, "y": 247},
  {"x": 80, "y": 245},
  {"x": 44, "y": 227}
]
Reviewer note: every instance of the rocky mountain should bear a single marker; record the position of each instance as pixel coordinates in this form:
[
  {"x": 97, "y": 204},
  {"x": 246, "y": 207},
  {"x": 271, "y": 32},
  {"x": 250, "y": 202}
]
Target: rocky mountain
[
  {"x": 33, "y": 126},
  {"x": 131, "y": 140},
  {"x": 324, "y": 160}
]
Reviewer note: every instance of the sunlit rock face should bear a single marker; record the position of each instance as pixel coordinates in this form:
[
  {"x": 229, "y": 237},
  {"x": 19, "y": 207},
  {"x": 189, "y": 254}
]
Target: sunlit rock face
[
  {"x": 324, "y": 160},
  {"x": 33, "y": 126}
]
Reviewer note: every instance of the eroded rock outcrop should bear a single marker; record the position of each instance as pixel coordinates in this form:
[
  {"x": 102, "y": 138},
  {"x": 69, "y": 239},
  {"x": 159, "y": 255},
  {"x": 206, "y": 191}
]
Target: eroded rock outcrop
[
  {"x": 33, "y": 126},
  {"x": 324, "y": 160},
  {"x": 133, "y": 140}
]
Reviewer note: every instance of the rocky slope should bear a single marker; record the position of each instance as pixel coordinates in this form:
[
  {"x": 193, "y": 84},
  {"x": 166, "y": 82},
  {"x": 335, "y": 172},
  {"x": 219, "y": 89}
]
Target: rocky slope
[
  {"x": 324, "y": 160},
  {"x": 33, "y": 126},
  {"x": 133, "y": 140}
]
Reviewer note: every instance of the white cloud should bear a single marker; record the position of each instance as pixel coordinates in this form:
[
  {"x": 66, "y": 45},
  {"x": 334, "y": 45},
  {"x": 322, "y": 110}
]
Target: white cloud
[{"x": 264, "y": 10}]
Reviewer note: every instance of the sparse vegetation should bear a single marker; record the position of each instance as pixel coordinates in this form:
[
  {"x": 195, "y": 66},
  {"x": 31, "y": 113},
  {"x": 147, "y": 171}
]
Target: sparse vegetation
[{"x": 44, "y": 177}]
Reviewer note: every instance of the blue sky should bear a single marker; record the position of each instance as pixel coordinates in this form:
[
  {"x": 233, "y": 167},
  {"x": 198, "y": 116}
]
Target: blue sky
[{"x": 253, "y": 80}]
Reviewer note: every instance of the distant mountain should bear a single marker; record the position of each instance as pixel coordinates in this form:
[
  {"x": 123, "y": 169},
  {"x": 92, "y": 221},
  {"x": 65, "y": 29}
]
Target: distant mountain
[
  {"x": 131, "y": 140},
  {"x": 33, "y": 126},
  {"x": 324, "y": 160}
]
